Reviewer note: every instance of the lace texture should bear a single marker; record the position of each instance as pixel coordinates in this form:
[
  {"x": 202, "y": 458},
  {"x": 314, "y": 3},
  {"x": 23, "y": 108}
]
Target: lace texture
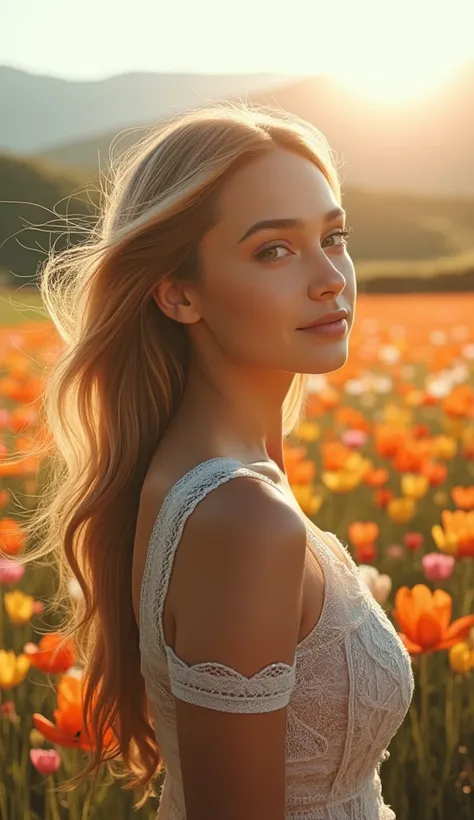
[
  {"x": 346, "y": 694},
  {"x": 218, "y": 687}
]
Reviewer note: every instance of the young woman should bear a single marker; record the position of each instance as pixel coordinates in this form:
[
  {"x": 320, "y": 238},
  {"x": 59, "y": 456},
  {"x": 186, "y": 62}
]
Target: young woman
[{"x": 225, "y": 638}]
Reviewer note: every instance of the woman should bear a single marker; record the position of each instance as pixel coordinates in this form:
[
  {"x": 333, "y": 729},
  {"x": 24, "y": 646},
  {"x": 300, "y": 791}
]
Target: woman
[{"x": 225, "y": 638}]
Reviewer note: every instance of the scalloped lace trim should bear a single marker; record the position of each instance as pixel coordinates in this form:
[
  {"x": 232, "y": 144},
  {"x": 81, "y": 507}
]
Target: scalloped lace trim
[{"x": 217, "y": 686}]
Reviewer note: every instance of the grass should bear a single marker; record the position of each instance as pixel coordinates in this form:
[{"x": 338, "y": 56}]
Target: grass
[{"x": 19, "y": 306}]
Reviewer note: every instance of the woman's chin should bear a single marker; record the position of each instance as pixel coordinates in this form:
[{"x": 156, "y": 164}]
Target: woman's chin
[{"x": 331, "y": 360}]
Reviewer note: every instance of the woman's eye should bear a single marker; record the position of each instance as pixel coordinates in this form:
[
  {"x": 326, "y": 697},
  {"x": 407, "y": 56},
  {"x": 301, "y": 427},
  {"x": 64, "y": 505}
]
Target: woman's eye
[
  {"x": 270, "y": 253},
  {"x": 342, "y": 234}
]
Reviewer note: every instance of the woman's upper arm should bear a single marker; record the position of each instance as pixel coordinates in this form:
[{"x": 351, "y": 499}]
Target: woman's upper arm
[{"x": 233, "y": 665}]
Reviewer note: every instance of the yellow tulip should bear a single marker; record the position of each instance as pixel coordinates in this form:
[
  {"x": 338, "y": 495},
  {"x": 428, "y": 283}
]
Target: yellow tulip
[
  {"x": 414, "y": 486},
  {"x": 446, "y": 541},
  {"x": 341, "y": 481},
  {"x": 394, "y": 414},
  {"x": 308, "y": 431},
  {"x": 456, "y": 535},
  {"x": 308, "y": 500},
  {"x": 401, "y": 510},
  {"x": 444, "y": 447},
  {"x": 19, "y": 607},
  {"x": 461, "y": 658},
  {"x": 356, "y": 463},
  {"x": 315, "y": 504},
  {"x": 13, "y": 669},
  {"x": 302, "y": 493}
]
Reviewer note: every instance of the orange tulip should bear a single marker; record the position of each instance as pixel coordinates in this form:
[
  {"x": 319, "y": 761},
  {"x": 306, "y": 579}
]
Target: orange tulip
[
  {"x": 334, "y": 455},
  {"x": 460, "y": 402},
  {"x": 456, "y": 536},
  {"x": 12, "y": 539},
  {"x": 435, "y": 473},
  {"x": 463, "y": 497},
  {"x": 410, "y": 457},
  {"x": 363, "y": 532},
  {"x": 376, "y": 477},
  {"x": 46, "y": 655},
  {"x": 424, "y": 618},
  {"x": 351, "y": 418},
  {"x": 302, "y": 472},
  {"x": 388, "y": 439},
  {"x": 68, "y": 730},
  {"x": 293, "y": 455}
]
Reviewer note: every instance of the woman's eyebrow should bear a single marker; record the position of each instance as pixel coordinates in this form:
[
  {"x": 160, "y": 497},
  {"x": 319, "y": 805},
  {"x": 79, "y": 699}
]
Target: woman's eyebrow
[{"x": 288, "y": 223}]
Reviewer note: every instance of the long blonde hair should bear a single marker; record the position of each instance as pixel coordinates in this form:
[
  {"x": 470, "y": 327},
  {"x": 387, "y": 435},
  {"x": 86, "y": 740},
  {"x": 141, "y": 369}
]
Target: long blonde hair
[{"x": 117, "y": 384}]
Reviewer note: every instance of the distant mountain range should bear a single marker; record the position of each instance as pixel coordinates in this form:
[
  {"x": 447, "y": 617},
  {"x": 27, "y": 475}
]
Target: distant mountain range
[
  {"x": 424, "y": 148},
  {"x": 40, "y": 113}
]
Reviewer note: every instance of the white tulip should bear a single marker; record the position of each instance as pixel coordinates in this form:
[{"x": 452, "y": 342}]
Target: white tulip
[
  {"x": 389, "y": 354},
  {"x": 74, "y": 589},
  {"x": 380, "y": 584}
]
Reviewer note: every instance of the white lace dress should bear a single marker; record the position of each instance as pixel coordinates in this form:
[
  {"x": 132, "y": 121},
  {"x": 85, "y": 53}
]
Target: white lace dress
[{"x": 347, "y": 691}]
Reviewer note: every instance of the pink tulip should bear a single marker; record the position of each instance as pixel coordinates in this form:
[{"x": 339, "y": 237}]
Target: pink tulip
[
  {"x": 10, "y": 571},
  {"x": 437, "y": 566},
  {"x": 395, "y": 551},
  {"x": 45, "y": 761},
  {"x": 354, "y": 438}
]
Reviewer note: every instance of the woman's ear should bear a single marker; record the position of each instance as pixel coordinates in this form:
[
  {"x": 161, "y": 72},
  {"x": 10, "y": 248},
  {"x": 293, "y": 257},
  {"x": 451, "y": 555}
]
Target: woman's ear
[{"x": 177, "y": 300}]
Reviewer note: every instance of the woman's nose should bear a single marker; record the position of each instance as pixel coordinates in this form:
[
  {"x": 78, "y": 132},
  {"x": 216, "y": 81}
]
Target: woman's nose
[{"x": 327, "y": 282}]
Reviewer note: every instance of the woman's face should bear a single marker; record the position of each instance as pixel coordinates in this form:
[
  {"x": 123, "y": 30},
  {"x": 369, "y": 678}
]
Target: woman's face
[{"x": 260, "y": 284}]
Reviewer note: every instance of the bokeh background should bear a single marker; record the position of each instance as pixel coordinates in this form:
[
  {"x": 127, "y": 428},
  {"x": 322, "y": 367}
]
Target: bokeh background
[{"x": 385, "y": 455}]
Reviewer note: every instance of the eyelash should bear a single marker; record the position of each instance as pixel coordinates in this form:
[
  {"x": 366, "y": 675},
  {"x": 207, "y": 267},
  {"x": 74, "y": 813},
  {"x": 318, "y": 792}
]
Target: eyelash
[{"x": 344, "y": 233}]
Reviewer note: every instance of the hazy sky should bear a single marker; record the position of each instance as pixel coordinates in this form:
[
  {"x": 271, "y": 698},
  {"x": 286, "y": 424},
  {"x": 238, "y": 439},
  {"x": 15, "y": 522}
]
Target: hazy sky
[{"x": 358, "y": 39}]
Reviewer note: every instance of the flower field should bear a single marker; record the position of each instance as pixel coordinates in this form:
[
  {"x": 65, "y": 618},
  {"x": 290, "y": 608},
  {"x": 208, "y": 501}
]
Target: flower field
[{"x": 384, "y": 458}]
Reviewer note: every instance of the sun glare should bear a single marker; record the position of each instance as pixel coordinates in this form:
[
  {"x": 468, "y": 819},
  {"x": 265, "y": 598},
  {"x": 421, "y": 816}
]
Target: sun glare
[{"x": 399, "y": 83}]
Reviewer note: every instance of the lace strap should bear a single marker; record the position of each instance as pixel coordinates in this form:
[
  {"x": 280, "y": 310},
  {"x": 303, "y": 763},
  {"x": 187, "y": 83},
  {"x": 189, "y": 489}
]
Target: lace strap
[
  {"x": 178, "y": 505},
  {"x": 219, "y": 687}
]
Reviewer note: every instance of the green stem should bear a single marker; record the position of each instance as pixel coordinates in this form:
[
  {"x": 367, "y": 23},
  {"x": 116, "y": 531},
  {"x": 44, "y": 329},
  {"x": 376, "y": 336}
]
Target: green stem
[
  {"x": 466, "y": 585},
  {"x": 425, "y": 703},
  {"x": 449, "y": 709},
  {"x": 88, "y": 802},
  {"x": 417, "y": 737},
  {"x": 52, "y": 810}
]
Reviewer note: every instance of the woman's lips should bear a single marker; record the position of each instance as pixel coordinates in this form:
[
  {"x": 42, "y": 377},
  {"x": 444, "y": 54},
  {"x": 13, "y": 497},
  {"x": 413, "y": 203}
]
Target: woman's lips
[{"x": 337, "y": 328}]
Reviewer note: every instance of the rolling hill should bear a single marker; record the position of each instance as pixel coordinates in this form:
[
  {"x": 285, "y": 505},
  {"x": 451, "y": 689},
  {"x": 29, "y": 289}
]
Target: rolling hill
[
  {"x": 40, "y": 113},
  {"x": 396, "y": 236},
  {"x": 422, "y": 148}
]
